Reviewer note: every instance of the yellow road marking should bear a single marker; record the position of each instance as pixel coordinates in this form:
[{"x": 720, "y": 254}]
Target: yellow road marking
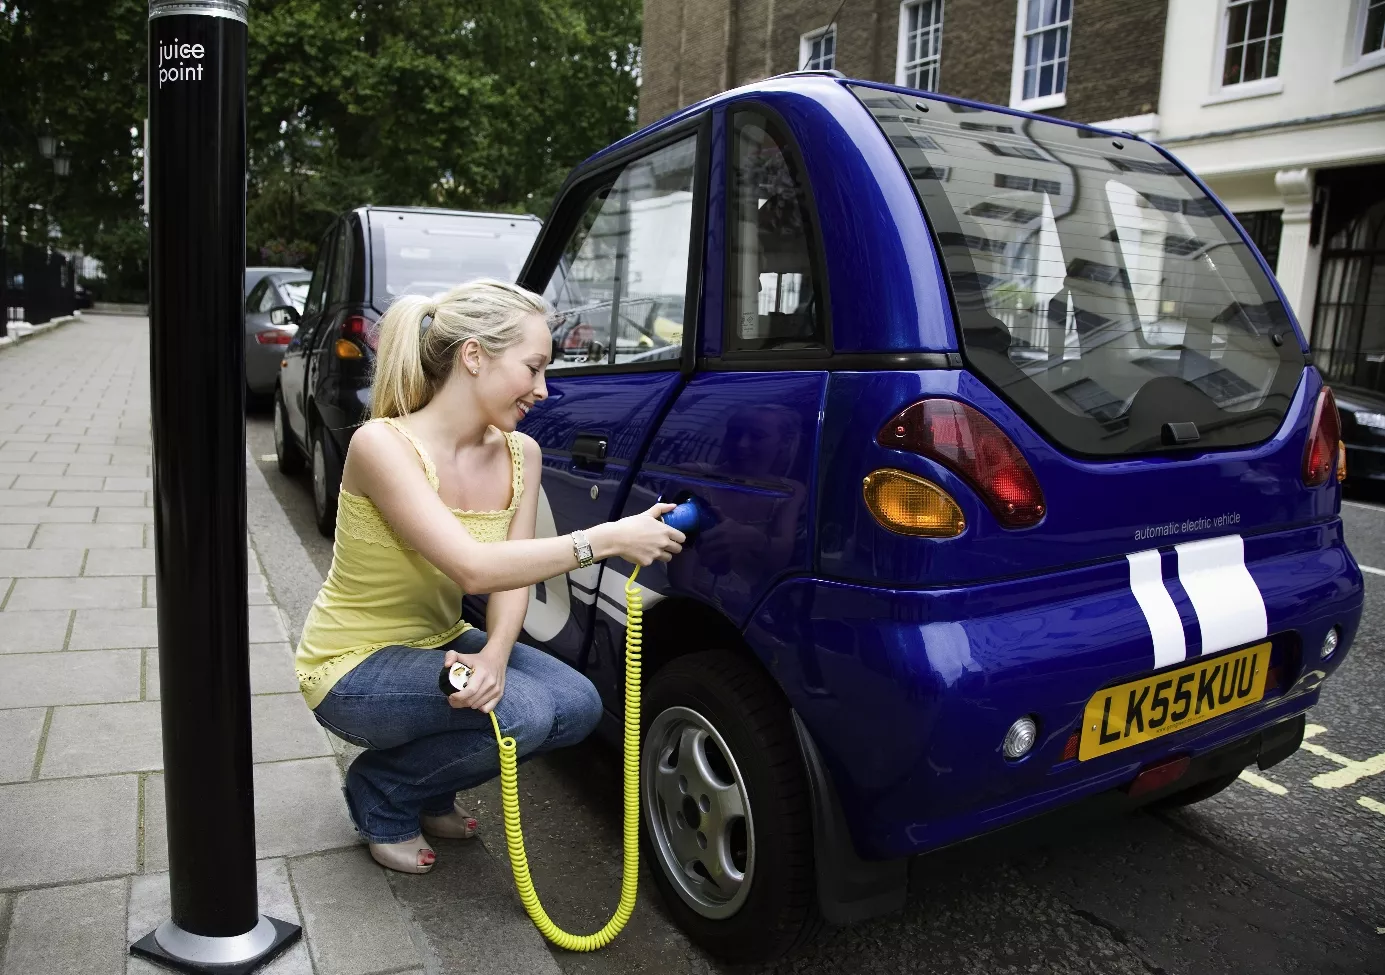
[
  {"x": 1273, "y": 788},
  {"x": 1351, "y": 771},
  {"x": 1374, "y": 806}
]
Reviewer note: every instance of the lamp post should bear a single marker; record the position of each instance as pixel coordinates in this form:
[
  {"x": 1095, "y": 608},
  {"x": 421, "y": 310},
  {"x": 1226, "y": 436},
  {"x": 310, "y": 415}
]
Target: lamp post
[{"x": 196, "y": 157}]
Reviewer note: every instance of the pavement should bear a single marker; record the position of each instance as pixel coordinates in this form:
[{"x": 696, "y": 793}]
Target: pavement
[{"x": 1282, "y": 873}]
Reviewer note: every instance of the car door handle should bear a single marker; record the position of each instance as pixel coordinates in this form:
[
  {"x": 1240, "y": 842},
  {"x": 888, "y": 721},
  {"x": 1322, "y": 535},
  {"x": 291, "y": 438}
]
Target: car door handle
[{"x": 589, "y": 451}]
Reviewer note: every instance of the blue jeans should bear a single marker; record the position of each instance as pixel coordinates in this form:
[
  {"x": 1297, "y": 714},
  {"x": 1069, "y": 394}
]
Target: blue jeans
[{"x": 420, "y": 750}]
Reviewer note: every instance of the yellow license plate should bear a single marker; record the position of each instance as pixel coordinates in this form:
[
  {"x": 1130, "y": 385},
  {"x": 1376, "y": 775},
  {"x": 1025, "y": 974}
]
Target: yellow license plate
[{"x": 1128, "y": 714}]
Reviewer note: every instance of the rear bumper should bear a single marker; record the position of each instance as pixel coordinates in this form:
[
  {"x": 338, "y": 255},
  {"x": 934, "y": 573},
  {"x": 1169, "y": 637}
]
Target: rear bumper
[{"x": 908, "y": 693}]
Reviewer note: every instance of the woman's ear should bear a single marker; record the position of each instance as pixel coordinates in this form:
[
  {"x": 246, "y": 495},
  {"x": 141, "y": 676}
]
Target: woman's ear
[{"x": 469, "y": 357}]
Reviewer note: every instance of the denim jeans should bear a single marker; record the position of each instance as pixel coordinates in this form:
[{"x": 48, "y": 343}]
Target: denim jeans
[{"x": 420, "y": 750}]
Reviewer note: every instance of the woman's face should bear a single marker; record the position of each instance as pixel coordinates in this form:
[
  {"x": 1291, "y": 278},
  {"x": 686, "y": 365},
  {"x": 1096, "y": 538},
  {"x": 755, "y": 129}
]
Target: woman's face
[{"x": 510, "y": 384}]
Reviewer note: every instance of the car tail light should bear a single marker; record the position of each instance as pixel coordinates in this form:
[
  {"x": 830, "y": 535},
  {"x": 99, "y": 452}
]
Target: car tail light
[
  {"x": 274, "y": 336},
  {"x": 908, "y": 504},
  {"x": 967, "y": 443},
  {"x": 1323, "y": 440},
  {"x": 356, "y": 331},
  {"x": 1071, "y": 748},
  {"x": 1158, "y": 775}
]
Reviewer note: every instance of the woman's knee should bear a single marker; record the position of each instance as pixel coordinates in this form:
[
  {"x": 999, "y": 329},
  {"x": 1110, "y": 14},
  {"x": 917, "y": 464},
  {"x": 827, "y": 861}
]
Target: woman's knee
[{"x": 525, "y": 712}]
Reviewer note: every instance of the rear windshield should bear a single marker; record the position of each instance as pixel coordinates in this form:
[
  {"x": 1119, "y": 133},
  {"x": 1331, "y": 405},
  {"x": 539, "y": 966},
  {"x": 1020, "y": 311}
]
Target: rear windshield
[
  {"x": 425, "y": 253},
  {"x": 1097, "y": 288}
]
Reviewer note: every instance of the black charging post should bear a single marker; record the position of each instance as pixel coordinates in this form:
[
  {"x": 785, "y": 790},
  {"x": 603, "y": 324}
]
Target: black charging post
[{"x": 196, "y": 172}]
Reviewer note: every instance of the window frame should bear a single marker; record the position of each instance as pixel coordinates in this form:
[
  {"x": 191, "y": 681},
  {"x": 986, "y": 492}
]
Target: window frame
[
  {"x": 1355, "y": 61},
  {"x": 902, "y": 65},
  {"x": 1039, "y": 103},
  {"x": 256, "y": 296},
  {"x": 805, "y": 47},
  {"x": 580, "y": 184},
  {"x": 779, "y": 128},
  {"x": 1258, "y": 88}
]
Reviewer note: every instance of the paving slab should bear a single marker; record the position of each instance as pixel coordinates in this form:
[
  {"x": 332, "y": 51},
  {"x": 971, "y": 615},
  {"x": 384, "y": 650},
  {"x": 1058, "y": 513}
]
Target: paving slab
[
  {"x": 68, "y": 830},
  {"x": 283, "y": 727},
  {"x": 107, "y": 629},
  {"x": 271, "y": 669},
  {"x": 266, "y": 625},
  {"x": 88, "y": 536},
  {"x": 29, "y": 467},
  {"x": 35, "y": 515},
  {"x": 89, "y": 468},
  {"x": 38, "y": 562},
  {"x": 34, "y": 631},
  {"x": 20, "y": 730},
  {"x": 53, "y": 482},
  {"x": 119, "y": 562},
  {"x": 7, "y": 480},
  {"x": 150, "y": 906},
  {"x": 298, "y": 809},
  {"x": 29, "y": 680},
  {"x": 124, "y": 516},
  {"x": 65, "y": 930},
  {"x": 353, "y": 922},
  {"x": 116, "y": 592},
  {"x": 11, "y": 497},
  {"x": 64, "y": 499},
  {"x": 16, "y": 536},
  {"x": 99, "y": 739},
  {"x": 128, "y": 484}
]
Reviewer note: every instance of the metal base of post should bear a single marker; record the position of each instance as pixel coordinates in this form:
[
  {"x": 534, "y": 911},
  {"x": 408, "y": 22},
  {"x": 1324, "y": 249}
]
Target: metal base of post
[{"x": 182, "y": 951}]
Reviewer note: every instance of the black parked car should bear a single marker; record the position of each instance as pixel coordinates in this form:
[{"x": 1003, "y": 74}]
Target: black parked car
[
  {"x": 366, "y": 259},
  {"x": 1363, "y": 431}
]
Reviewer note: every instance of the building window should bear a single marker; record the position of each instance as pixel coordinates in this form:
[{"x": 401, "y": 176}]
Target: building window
[
  {"x": 1254, "y": 36},
  {"x": 1263, "y": 227},
  {"x": 921, "y": 44},
  {"x": 1373, "y": 31},
  {"x": 1042, "y": 29},
  {"x": 817, "y": 51}
]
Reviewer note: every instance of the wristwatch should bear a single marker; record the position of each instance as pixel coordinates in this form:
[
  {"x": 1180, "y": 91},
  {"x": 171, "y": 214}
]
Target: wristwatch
[{"x": 582, "y": 549}]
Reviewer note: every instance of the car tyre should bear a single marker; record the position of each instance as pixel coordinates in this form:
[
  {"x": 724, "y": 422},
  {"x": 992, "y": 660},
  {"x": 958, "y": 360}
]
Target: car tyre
[
  {"x": 695, "y": 707},
  {"x": 289, "y": 459},
  {"x": 326, "y": 481},
  {"x": 1205, "y": 789}
]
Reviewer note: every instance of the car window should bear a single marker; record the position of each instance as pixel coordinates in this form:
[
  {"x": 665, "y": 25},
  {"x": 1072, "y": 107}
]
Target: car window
[
  {"x": 257, "y": 296},
  {"x": 620, "y": 288},
  {"x": 424, "y": 252},
  {"x": 295, "y": 292},
  {"x": 774, "y": 295},
  {"x": 340, "y": 279},
  {"x": 313, "y": 304},
  {"x": 1097, "y": 286}
]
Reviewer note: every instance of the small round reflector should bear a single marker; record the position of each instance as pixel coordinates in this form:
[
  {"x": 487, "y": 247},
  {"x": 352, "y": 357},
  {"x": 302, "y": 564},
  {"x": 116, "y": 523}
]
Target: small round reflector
[
  {"x": 1020, "y": 738},
  {"x": 910, "y": 505},
  {"x": 1329, "y": 643}
]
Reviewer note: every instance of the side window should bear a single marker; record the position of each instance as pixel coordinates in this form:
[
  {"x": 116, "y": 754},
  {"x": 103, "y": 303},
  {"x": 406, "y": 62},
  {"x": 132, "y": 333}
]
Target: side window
[
  {"x": 340, "y": 279},
  {"x": 270, "y": 299},
  {"x": 620, "y": 288},
  {"x": 324, "y": 256},
  {"x": 256, "y": 296},
  {"x": 773, "y": 294}
]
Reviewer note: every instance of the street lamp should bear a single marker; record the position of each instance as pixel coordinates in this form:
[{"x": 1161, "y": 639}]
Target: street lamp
[
  {"x": 62, "y": 165},
  {"x": 47, "y": 145}
]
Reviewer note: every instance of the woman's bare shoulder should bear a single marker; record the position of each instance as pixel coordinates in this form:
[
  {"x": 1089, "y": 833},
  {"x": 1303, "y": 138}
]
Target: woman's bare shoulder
[
  {"x": 533, "y": 453},
  {"x": 375, "y": 450}
]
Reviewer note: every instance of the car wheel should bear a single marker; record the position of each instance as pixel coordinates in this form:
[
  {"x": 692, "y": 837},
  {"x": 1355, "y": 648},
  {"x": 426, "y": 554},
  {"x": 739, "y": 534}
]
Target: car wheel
[
  {"x": 1196, "y": 793},
  {"x": 290, "y": 461},
  {"x": 326, "y": 482},
  {"x": 728, "y": 825}
]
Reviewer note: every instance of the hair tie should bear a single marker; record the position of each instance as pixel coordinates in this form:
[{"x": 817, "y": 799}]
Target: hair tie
[{"x": 427, "y": 319}]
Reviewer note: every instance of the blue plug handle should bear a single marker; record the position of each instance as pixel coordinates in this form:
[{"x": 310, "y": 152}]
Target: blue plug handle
[{"x": 686, "y": 518}]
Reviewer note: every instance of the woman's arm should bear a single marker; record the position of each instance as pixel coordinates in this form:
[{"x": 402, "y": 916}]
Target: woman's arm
[{"x": 384, "y": 467}]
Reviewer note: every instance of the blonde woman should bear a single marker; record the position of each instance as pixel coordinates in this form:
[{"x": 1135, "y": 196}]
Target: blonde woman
[{"x": 438, "y": 498}]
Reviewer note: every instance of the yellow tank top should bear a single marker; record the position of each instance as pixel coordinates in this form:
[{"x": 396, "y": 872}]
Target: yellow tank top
[{"x": 379, "y": 592}]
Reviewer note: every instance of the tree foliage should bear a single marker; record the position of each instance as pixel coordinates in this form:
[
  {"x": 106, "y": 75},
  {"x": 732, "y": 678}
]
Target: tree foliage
[{"x": 451, "y": 103}]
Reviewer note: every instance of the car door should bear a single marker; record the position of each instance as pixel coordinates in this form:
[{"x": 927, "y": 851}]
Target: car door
[
  {"x": 292, "y": 378},
  {"x": 323, "y": 372},
  {"x": 624, "y": 240}
]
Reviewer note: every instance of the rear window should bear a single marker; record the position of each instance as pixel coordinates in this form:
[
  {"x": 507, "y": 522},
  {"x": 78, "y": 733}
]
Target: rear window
[
  {"x": 1097, "y": 288},
  {"x": 425, "y": 253}
]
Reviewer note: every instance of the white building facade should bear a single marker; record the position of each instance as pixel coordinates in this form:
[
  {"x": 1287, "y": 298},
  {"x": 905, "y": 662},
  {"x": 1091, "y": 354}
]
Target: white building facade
[{"x": 1279, "y": 106}]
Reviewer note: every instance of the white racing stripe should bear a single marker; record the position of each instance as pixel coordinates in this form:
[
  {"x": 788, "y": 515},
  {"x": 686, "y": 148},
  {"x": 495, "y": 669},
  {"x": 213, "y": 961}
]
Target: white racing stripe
[
  {"x": 1147, "y": 583},
  {"x": 1230, "y": 610}
]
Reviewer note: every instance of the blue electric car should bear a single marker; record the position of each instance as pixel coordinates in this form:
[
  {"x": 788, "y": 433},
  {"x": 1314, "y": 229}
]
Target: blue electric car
[{"x": 1018, "y": 486}]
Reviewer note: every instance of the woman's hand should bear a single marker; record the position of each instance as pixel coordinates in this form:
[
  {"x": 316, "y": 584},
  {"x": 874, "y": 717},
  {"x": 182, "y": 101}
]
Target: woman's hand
[
  {"x": 640, "y": 538},
  {"x": 486, "y": 685}
]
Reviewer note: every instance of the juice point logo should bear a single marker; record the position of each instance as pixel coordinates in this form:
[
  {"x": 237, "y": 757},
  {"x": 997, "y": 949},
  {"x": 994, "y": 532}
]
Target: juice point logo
[{"x": 174, "y": 58}]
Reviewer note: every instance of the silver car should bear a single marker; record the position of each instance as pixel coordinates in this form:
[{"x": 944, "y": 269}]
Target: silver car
[{"x": 266, "y": 339}]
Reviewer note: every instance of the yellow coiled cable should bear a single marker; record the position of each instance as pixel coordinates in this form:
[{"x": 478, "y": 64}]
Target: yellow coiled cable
[{"x": 509, "y": 802}]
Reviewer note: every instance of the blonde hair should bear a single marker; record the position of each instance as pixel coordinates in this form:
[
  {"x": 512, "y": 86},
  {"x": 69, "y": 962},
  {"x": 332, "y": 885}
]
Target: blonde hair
[{"x": 412, "y": 362}]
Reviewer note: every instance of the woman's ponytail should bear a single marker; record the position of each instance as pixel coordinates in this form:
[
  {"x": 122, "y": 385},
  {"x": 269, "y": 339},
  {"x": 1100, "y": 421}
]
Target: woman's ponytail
[
  {"x": 401, "y": 385},
  {"x": 420, "y": 338}
]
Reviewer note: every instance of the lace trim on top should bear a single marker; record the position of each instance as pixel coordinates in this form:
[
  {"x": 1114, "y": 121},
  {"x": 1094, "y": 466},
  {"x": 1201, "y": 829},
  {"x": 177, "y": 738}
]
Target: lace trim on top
[
  {"x": 363, "y": 520},
  {"x": 347, "y": 659}
]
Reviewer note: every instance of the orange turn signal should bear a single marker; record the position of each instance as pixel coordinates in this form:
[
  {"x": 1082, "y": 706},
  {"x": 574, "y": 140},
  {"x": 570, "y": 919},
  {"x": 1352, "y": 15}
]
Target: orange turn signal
[
  {"x": 908, "y": 504},
  {"x": 346, "y": 349}
]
